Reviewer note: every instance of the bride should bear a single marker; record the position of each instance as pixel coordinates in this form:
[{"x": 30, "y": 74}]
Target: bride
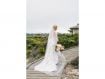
[{"x": 54, "y": 61}]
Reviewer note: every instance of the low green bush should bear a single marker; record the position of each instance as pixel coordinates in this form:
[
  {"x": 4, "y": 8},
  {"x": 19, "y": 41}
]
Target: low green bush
[{"x": 40, "y": 41}]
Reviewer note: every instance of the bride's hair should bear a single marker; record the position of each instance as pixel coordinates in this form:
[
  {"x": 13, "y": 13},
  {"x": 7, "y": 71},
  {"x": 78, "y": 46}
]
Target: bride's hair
[{"x": 55, "y": 27}]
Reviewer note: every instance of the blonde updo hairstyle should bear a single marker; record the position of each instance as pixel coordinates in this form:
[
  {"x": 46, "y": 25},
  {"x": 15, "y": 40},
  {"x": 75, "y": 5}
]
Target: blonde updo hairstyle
[{"x": 55, "y": 27}]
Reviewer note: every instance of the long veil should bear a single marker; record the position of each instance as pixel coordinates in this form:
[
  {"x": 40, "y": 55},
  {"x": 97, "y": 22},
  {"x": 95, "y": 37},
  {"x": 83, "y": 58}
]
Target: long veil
[{"x": 53, "y": 62}]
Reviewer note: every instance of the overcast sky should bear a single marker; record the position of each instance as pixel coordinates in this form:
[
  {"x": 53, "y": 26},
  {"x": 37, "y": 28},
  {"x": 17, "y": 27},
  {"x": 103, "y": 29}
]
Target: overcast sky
[{"x": 42, "y": 14}]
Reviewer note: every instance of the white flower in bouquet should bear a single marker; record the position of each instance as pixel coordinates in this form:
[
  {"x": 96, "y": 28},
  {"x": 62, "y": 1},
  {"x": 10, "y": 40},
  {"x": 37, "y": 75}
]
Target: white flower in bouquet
[{"x": 59, "y": 47}]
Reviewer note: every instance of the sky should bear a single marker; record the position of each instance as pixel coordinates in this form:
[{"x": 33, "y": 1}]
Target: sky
[{"x": 43, "y": 14}]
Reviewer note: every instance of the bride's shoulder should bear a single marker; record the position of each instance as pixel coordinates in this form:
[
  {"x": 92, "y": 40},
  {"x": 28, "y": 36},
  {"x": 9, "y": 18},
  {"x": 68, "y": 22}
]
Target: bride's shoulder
[{"x": 55, "y": 31}]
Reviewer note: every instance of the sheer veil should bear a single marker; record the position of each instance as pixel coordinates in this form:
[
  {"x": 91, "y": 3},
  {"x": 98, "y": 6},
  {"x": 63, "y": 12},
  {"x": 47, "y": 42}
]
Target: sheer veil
[{"x": 53, "y": 62}]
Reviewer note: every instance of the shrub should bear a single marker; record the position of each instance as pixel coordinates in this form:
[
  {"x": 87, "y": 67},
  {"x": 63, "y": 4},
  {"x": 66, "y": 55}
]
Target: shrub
[{"x": 39, "y": 41}]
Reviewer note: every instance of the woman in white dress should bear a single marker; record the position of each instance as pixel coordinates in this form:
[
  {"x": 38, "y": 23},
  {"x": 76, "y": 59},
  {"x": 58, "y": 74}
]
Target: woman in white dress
[{"x": 53, "y": 62}]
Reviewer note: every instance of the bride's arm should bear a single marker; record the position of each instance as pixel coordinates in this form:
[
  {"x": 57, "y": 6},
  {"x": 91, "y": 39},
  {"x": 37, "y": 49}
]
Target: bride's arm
[{"x": 55, "y": 37}]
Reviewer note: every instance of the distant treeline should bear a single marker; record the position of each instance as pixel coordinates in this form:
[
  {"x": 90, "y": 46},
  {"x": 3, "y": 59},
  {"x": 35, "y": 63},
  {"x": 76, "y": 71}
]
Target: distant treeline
[{"x": 39, "y": 42}]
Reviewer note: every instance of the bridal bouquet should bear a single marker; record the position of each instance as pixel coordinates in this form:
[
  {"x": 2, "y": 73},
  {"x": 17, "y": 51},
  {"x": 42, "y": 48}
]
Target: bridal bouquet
[{"x": 59, "y": 47}]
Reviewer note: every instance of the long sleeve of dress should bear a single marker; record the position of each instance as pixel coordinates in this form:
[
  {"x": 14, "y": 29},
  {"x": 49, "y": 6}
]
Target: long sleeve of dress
[{"x": 55, "y": 37}]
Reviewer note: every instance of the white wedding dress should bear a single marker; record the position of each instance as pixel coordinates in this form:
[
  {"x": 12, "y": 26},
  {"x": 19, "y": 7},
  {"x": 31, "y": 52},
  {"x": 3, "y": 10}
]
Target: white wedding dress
[{"x": 53, "y": 62}]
